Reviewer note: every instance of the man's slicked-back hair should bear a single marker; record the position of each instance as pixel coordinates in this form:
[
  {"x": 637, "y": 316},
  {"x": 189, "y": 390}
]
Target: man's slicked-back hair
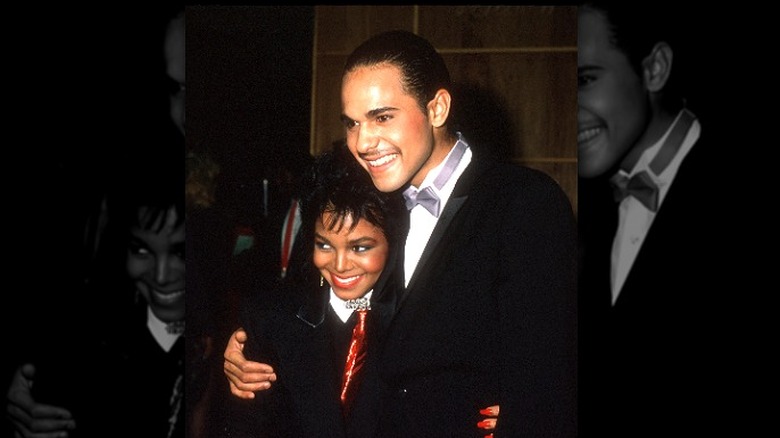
[
  {"x": 636, "y": 30},
  {"x": 423, "y": 71}
]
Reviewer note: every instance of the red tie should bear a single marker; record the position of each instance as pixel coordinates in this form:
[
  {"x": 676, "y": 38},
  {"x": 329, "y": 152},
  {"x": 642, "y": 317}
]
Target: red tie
[
  {"x": 287, "y": 242},
  {"x": 356, "y": 357}
]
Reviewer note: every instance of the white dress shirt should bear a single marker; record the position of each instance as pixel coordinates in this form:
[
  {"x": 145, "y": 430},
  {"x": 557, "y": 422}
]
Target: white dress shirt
[
  {"x": 421, "y": 221},
  {"x": 339, "y": 305},
  {"x": 157, "y": 328},
  {"x": 635, "y": 219}
]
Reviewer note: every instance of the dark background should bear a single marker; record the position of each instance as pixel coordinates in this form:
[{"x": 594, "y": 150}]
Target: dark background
[
  {"x": 249, "y": 93},
  {"x": 84, "y": 96}
]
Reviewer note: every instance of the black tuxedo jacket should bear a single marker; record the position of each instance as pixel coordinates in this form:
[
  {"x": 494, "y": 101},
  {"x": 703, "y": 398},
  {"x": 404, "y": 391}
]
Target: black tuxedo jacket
[
  {"x": 651, "y": 351},
  {"x": 489, "y": 316}
]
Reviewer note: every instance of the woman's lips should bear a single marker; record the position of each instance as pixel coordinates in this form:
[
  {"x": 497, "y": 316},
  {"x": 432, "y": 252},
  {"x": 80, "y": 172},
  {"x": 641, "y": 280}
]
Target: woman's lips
[
  {"x": 167, "y": 297},
  {"x": 345, "y": 282}
]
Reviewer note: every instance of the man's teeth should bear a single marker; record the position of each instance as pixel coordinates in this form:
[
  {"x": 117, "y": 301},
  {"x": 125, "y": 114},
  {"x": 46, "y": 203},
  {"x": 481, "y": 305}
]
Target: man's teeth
[
  {"x": 382, "y": 160},
  {"x": 587, "y": 134}
]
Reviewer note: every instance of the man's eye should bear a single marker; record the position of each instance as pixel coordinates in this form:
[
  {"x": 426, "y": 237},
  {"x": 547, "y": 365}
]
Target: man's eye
[{"x": 583, "y": 80}]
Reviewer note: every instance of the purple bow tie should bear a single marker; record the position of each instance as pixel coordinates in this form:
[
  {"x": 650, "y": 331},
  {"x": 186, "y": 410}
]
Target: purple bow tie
[
  {"x": 427, "y": 197},
  {"x": 640, "y": 186}
]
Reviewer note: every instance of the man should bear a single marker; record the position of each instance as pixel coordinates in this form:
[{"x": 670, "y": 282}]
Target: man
[
  {"x": 174, "y": 68},
  {"x": 649, "y": 270},
  {"x": 488, "y": 314}
]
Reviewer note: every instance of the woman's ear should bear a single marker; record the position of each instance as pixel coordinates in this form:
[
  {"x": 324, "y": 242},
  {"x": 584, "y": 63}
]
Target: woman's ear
[
  {"x": 657, "y": 67},
  {"x": 439, "y": 108}
]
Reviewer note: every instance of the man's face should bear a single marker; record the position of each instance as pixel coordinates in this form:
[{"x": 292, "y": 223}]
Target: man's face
[
  {"x": 174, "y": 66},
  {"x": 387, "y": 131},
  {"x": 613, "y": 105},
  {"x": 155, "y": 265},
  {"x": 351, "y": 260}
]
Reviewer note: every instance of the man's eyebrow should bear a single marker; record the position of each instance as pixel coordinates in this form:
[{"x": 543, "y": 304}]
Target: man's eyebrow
[
  {"x": 378, "y": 111},
  {"x": 589, "y": 68},
  {"x": 370, "y": 114}
]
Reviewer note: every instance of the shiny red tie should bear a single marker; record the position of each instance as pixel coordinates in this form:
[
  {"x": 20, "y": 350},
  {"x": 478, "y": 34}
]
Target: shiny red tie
[
  {"x": 356, "y": 357},
  {"x": 288, "y": 237}
]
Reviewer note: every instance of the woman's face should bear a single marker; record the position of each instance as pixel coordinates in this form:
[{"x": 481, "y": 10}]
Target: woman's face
[
  {"x": 351, "y": 260},
  {"x": 155, "y": 265}
]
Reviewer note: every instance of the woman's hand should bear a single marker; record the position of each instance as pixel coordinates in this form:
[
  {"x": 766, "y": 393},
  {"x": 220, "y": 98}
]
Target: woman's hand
[{"x": 489, "y": 423}]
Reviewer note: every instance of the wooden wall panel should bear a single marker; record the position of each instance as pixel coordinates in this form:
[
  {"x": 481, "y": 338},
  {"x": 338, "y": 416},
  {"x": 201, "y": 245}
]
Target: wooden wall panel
[
  {"x": 342, "y": 28},
  {"x": 507, "y": 27}
]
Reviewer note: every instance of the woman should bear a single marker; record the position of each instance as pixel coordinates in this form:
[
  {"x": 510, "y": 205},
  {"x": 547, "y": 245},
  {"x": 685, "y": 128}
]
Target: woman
[
  {"x": 128, "y": 321},
  {"x": 304, "y": 328}
]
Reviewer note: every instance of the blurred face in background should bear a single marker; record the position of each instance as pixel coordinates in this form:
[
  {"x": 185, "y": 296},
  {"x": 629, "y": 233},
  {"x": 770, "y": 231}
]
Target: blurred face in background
[{"x": 174, "y": 66}]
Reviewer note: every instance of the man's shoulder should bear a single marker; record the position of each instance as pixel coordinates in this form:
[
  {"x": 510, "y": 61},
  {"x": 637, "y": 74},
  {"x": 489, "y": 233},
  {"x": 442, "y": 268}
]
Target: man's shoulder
[{"x": 489, "y": 172}]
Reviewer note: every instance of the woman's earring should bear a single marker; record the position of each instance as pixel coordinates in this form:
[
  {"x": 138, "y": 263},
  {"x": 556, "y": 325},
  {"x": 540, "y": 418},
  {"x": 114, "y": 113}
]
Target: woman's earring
[{"x": 322, "y": 280}]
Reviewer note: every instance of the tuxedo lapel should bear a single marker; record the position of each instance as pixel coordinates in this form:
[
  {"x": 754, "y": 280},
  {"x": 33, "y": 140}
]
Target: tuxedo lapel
[
  {"x": 433, "y": 249},
  {"x": 676, "y": 225},
  {"x": 453, "y": 205}
]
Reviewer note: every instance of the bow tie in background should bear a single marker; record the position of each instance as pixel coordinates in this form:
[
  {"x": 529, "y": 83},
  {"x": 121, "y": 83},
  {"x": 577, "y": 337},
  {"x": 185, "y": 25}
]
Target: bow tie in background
[{"x": 640, "y": 186}]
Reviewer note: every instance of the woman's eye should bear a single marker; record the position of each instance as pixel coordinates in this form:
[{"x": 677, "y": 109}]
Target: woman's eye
[{"x": 138, "y": 250}]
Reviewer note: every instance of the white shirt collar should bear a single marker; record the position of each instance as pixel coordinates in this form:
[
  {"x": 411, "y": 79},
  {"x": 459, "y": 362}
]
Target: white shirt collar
[
  {"x": 339, "y": 305},
  {"x": 157, "y": 328}
]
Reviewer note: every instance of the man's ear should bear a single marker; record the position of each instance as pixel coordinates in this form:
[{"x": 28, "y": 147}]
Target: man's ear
[
  {"x": 657, "y": 67},
  {"x": 439, "y": 108}
]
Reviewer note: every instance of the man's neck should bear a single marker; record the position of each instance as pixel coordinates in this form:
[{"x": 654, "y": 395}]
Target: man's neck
[
  {"x": 659, "y": 123},
  {"x": 442, "y": 146}
]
